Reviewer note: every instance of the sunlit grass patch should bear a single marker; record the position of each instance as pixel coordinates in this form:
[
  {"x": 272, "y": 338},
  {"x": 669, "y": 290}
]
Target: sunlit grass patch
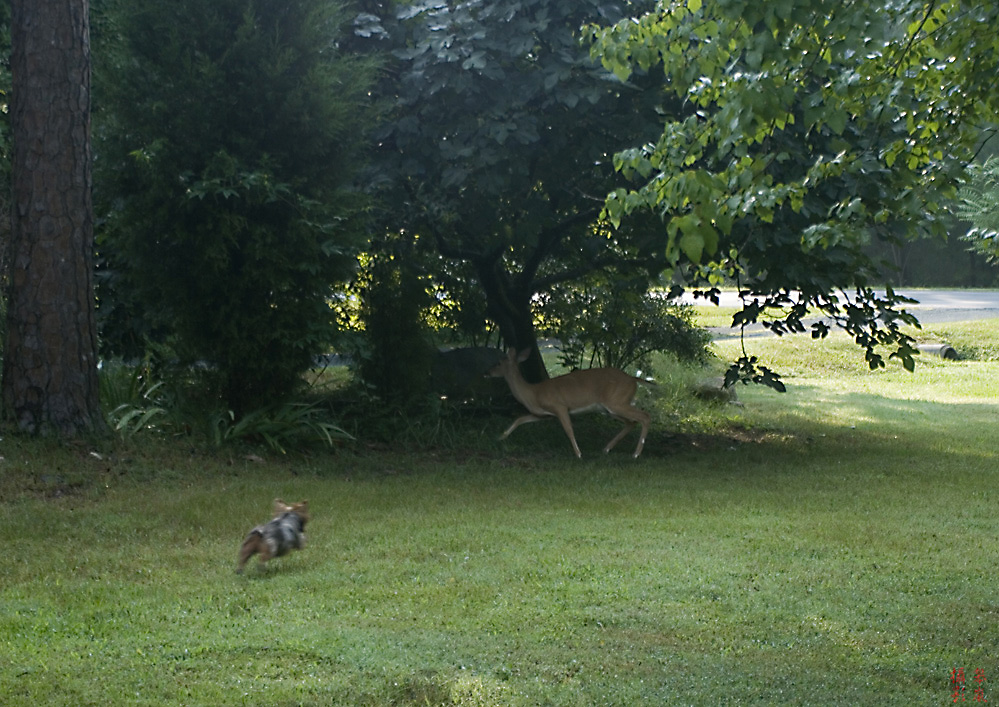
[{"x": 975, "y": 340}]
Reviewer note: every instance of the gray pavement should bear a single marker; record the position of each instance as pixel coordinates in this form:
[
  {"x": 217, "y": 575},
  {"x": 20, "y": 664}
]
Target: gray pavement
[
  {"x": 932, "y": 306},
  {"x": 953, "y": 305}
]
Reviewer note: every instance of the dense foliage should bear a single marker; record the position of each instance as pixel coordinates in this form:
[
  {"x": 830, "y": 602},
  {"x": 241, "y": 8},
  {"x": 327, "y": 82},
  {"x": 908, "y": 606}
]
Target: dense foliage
[
  {"x": 979, "y": 204},
  {"x": 810, "y": 129},
  {"x": 398, "y": 357},
  {"x": 230, "y": 131},
  {"x": 497, "y": 153},
  {"x": 775, "y": 145}
]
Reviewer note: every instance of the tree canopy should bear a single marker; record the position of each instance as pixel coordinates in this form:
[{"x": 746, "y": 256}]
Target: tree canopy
[
  {"x": 498, "y": 150},
  {"x": 810, "y": 128}
]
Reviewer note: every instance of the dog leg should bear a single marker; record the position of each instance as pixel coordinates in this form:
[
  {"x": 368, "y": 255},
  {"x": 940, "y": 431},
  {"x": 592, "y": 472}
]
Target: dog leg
[{"x": 251, "y": 546}]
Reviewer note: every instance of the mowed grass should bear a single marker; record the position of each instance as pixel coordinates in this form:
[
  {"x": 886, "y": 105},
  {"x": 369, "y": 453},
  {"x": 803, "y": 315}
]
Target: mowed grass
[{"x": 836, "y": 544}]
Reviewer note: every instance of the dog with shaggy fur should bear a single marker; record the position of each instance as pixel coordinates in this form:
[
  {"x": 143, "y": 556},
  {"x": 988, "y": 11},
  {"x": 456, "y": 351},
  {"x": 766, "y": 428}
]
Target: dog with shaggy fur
[{"x": 284, "y": 533}]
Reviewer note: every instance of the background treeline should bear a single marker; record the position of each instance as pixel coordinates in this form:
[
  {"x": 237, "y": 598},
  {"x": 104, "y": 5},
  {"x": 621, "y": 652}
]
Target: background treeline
[
  {"x": 276, "y": 181},
  {"x": 279, "y": 180}
]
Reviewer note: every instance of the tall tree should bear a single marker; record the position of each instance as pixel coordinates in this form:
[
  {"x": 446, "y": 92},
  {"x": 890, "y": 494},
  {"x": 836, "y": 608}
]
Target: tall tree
[
  {"x": 498, "y": 152},
  {"x": 50, "y": 352},
  {"x": 813, "y": 127},
  {"x": 5, "y": 146},
  {"x": 232, "y": 130}
]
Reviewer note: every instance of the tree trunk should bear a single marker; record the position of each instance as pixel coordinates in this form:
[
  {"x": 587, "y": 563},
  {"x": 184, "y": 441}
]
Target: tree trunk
[
  {"x": 509, "y": 305},
  {"x": 50, "y": 353}
]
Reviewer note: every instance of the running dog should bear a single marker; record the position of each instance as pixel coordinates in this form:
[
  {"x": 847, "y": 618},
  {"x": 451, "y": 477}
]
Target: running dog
[{"x": 284, "y": 533}]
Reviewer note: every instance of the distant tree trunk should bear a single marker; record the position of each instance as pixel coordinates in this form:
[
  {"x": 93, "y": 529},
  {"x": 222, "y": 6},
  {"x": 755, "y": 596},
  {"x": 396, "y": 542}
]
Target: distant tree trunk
[{"x": 50, "y": 352}]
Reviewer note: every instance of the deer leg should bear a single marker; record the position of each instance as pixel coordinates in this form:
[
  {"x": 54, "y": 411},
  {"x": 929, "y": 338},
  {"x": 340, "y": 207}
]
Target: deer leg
[
  {"x": 632, "y": 416},
  {"x": 620, "y": 435},
  {"x": 518, "y": 422},
  {"x": 645, "y": 420},
  {"x": 563, "y": 417}
]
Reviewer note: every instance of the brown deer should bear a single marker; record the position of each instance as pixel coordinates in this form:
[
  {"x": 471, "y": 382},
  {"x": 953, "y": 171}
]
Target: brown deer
[{"x": 592, "y": 389}]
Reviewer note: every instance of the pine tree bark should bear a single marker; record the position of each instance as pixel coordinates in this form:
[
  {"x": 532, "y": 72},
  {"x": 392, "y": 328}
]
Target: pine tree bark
[{"x": 50, "y": 379}]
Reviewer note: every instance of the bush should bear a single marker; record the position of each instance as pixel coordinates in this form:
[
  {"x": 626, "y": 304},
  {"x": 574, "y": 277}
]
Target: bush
[
  {"x": 138, "y": 402},
  {"x": 620, "y": 324},
  {"x": 228, "y": 137}
]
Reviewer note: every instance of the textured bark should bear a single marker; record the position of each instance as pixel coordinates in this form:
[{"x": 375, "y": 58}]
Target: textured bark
[{"x": 50, "y": 353}]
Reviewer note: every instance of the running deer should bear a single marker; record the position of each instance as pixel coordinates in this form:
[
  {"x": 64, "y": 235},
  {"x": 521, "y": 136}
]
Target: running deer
[{"x": 592, "y": 389}]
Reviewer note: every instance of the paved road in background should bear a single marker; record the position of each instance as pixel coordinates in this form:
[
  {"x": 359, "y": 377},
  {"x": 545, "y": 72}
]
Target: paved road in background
[
  {"x": 932, "y": 307},
  {"x": 953, "y": 305}
]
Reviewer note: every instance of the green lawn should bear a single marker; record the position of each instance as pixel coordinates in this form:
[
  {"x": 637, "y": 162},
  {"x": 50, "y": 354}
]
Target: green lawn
[{"x": 833, "y": 545}]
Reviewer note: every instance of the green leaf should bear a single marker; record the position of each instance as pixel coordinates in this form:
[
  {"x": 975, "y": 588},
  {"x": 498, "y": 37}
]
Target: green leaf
[
  {"x": 692, "y": 245},
  {"x": 613, "y": 209},
  {"x": 836, "y": 120}
]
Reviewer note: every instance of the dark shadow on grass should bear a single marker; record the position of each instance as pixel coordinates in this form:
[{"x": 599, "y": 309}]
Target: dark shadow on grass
[
  {"x": 811, "y": 423},
  {"x": 593, "y": 431}
]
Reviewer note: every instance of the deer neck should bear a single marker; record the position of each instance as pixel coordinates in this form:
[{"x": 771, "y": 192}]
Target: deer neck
[{"x": 523, "y": 391}]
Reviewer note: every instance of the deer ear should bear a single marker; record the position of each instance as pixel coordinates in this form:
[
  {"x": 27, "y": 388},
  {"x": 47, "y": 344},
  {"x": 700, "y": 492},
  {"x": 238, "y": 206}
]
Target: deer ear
[{"x": 523, "y": 355}]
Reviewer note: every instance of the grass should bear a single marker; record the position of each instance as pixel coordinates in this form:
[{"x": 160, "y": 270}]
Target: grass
[
  {"x": 709, "y": 315},
  {"x": 832, "y": 545}
]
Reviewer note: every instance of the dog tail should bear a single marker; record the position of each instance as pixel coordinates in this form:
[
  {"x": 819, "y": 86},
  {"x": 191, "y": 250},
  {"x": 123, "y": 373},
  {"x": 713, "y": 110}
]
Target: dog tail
[{"x": 251, "y": 546}]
